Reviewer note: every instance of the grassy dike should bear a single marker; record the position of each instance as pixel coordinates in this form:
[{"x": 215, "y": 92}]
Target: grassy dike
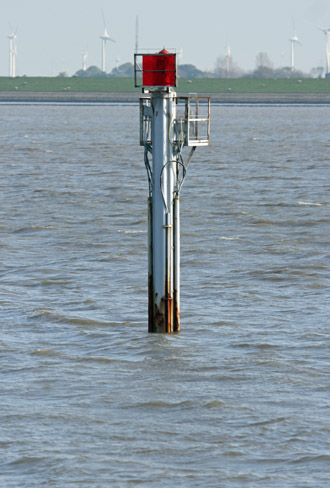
[{"x": 198, "y": 85}]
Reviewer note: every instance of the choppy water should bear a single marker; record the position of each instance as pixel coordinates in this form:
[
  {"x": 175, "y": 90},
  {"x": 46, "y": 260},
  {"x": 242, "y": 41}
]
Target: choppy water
[{"x": 241, "y": 397}]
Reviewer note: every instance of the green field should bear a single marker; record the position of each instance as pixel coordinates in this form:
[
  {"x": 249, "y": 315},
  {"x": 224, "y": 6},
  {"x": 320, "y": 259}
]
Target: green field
[{"x": 198, "y": 85}]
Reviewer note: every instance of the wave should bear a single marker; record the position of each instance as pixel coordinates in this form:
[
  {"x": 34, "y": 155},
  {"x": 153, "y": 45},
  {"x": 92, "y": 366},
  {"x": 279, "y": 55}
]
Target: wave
[
  {"x": 223, "y": 238},
  {"x": 54, "y": 316},
  {"x": 132, "y": 231},
  {"x": 312, "y": 204}
]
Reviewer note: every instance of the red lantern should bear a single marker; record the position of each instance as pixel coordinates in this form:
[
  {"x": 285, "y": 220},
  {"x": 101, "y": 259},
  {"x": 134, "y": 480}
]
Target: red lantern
[{"x": 159, "y": 69}]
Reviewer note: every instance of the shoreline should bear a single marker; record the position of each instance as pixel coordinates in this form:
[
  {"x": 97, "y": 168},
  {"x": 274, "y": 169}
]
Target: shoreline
[{"x": 133, "y": 97}]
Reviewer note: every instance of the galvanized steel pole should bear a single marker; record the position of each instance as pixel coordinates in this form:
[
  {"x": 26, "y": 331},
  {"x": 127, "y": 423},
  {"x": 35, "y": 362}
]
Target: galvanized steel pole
[{"x": 161, "y": 215}]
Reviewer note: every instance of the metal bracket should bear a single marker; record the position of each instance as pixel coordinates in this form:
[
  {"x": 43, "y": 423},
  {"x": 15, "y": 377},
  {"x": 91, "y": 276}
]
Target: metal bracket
[{"x": 148, "y": 148}]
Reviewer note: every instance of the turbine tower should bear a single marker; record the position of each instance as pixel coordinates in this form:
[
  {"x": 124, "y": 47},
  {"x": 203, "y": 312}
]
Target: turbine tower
[
  {"x": 180, "y": 56},
  {"x": 228, "y": 60},
  {"x": 104, "y": 39},
  {"x": 294, "y": 40},
  {"x": 327, "y": 50},
  {"x": 84, "y": 60},
  {"x": 12, "y": 55}
]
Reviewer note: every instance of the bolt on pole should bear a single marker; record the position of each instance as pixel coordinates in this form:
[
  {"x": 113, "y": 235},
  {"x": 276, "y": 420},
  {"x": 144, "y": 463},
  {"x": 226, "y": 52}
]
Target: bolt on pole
[{"x": 163, "y": 134}]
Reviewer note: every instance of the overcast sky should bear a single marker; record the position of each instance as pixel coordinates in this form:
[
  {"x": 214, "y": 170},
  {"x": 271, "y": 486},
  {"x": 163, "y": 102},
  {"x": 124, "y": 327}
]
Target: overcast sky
[{"x": 51, "y": 35}]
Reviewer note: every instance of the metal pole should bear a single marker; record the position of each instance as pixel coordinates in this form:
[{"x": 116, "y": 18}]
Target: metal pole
[
  {"x": 161, "y": 317},
  {"x": 176, "y": 264},
  {"x": 150, "y": 267}
]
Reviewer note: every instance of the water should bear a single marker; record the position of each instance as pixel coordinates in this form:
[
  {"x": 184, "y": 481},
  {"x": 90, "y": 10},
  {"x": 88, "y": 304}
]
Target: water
[{"x": 241, "y": 396}]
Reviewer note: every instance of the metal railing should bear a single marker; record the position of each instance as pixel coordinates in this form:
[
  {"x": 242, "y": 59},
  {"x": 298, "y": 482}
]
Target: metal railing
[{"x": 191, "y": 126}]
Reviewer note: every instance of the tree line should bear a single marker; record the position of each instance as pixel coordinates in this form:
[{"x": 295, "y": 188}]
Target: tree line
[{"x": 225, "y": 67}]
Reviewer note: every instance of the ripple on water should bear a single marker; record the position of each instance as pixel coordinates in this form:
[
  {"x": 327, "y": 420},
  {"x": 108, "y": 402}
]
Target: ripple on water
[{"x": 240, "y": 396}]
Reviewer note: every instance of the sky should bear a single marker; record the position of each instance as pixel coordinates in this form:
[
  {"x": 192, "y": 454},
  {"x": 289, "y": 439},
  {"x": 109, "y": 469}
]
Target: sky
[{"x": 51, "y": 35}]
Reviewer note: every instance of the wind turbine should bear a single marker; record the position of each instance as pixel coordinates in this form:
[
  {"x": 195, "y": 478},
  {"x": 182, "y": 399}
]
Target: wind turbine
[
  {"x": 12, "y": 54},
  {"x": 294, "y": 40},
  {"x": 104, "y": 39},
  {"x": 327, "y": 50}
]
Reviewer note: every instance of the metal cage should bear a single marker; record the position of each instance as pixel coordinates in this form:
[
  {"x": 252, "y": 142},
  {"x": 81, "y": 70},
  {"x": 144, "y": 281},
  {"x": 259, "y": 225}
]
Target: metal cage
[
  {"x": 191, "y": 126},
  {"x": 145, "y": 121}
]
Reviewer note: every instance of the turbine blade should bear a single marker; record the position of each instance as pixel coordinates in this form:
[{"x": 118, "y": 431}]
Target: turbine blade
[{"x": 321, "y": 29}]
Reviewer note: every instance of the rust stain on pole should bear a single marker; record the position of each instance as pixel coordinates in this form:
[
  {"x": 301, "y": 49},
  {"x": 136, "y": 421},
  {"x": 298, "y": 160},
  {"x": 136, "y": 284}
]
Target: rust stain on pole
[
  {"x": 158, "y": 323},
  {"x": 162, "y": 317},
  {"x": 169, "y": 313},
  {"x": 176, "y": 314}
]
